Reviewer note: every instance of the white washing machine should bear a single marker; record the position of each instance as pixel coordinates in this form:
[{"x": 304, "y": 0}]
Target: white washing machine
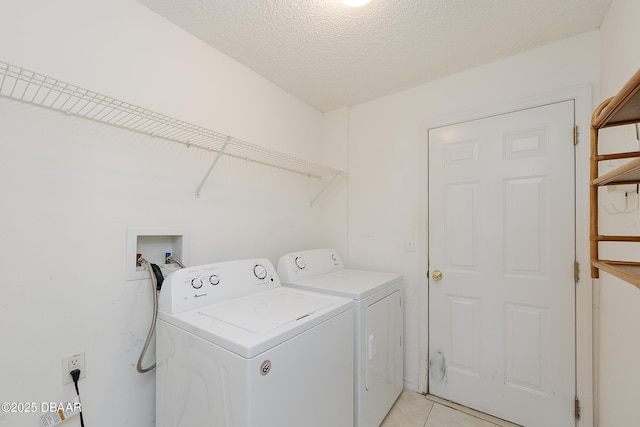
[
  {"x": 379, "y": 355},
  {"x": 235, "y": 348}
]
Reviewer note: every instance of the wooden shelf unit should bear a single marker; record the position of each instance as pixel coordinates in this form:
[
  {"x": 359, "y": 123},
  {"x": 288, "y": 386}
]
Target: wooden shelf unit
[{"x": 622, "y": 109}]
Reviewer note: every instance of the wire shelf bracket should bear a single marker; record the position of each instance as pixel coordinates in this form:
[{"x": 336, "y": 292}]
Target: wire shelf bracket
[
  {"x": 31, "y": 87},
  {"x": 323, "y": 189},
  {"x": 213, "y": 164}
]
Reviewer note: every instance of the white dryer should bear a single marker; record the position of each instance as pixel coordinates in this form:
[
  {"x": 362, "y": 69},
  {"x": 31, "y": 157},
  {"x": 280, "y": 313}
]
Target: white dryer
[
  {"x": 235, "y": 348},
  {"x": 379, "y": 355}
]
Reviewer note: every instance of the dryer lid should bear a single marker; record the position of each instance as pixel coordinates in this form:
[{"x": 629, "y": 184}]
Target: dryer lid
[
  {"x": 266, "y": 311},
  {"x": 354, "y": 284}
]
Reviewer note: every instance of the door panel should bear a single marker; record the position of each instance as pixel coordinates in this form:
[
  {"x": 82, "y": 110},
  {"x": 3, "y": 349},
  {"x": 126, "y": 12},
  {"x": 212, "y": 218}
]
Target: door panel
[
  {"x": 501, "y": 231},
  {"x": 461, "y": 225},
  {"x": 383, "y": 341},
  {"x": 381, "y": 359},
  {"x": 525, "y": 327},
  {"x": 465, "y": 334},
  {"x": 525, "y": 227}
]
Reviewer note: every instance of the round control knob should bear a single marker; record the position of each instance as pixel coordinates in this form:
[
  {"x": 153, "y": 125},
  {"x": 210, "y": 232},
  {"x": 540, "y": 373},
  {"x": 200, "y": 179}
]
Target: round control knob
[
  {"x": 334, "y": 257},
  {"x": 214, "y": 279},
  {"x": 299, "y": 262},
  {"x": 260, "y": 271},
  {"x": 196, "y": 282}
]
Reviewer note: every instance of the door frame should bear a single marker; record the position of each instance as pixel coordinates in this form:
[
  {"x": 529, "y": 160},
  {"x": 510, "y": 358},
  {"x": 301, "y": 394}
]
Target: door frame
[{"x": 585, "y": 354}]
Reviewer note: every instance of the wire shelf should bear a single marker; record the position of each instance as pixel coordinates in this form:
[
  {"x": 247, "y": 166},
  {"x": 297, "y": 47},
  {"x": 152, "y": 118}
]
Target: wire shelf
[{"x": 34, "y": 88}]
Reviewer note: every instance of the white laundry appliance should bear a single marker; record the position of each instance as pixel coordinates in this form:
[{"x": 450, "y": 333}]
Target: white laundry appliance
[
  {"x": 235, "y": 348},
  {"x": 379, "y": 319}
]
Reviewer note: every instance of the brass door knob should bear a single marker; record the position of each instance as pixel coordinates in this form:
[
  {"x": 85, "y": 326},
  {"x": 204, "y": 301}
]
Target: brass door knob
[{"x": 437, "y": 275}]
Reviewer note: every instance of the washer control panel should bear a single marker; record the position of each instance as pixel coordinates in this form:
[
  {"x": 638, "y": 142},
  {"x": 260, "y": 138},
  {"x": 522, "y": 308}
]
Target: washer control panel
[
  {"x": 300, "y": 265},
  {"x": 260, "y": 271},
  {"x": 195, "y": 287},
  {"x": 300, "y": 262}
]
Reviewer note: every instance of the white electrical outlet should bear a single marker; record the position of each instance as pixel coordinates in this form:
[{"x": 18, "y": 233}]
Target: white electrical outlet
[{"x": 69, "y": 363}]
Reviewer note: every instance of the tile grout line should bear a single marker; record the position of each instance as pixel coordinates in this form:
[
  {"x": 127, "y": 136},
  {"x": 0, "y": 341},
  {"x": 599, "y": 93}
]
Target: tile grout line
[
  {"x": 426, "y": 420},
  {"x": 497, "y": 421}
]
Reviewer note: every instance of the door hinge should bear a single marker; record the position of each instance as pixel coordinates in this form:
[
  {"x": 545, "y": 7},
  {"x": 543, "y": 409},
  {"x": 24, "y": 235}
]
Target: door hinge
[
  {"x": 577, "y": 409},
  {"x": 576, "y": 271},
  {"x": 575, "y": 135}
]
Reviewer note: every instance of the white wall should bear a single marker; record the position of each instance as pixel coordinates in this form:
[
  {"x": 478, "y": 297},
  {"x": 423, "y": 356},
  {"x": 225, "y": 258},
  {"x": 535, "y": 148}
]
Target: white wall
[
  {"x": 70, "y": 188},
  {"x": 334, "y": 198},
  {"x": 387, "y": 162},
  {"x": 619, "y": 301}
]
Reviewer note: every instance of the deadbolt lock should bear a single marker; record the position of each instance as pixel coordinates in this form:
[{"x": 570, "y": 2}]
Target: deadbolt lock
[{"x": 437, "y": 275}]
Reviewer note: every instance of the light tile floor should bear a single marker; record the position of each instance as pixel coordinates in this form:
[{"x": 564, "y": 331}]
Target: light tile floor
[{"x": 415, "y": 410}]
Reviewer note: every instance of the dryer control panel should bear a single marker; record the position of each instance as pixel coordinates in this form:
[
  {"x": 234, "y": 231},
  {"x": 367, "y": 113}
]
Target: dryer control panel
[
  {"x": 196, "y": 287},
  {"x": 300, "y": 265}
]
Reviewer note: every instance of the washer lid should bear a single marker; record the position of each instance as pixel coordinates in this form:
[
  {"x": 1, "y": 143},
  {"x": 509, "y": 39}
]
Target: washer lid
[
  {"x": 354, "y": 284},
  {"x": 282, "y": 312},
  {"x": 266, "y": 311}
]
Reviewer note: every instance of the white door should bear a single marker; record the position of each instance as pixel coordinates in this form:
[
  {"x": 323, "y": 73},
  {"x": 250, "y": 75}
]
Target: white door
[{"x": 502, "y": 234}]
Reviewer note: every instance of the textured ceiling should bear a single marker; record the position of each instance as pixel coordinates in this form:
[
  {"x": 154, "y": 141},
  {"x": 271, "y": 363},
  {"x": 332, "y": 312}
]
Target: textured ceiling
[{"x": 330, "y": 55}]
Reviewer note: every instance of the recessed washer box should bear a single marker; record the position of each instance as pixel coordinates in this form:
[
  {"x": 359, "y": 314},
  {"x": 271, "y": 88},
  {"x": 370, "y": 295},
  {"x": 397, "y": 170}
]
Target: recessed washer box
[{"x": 154, "y": 244}]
